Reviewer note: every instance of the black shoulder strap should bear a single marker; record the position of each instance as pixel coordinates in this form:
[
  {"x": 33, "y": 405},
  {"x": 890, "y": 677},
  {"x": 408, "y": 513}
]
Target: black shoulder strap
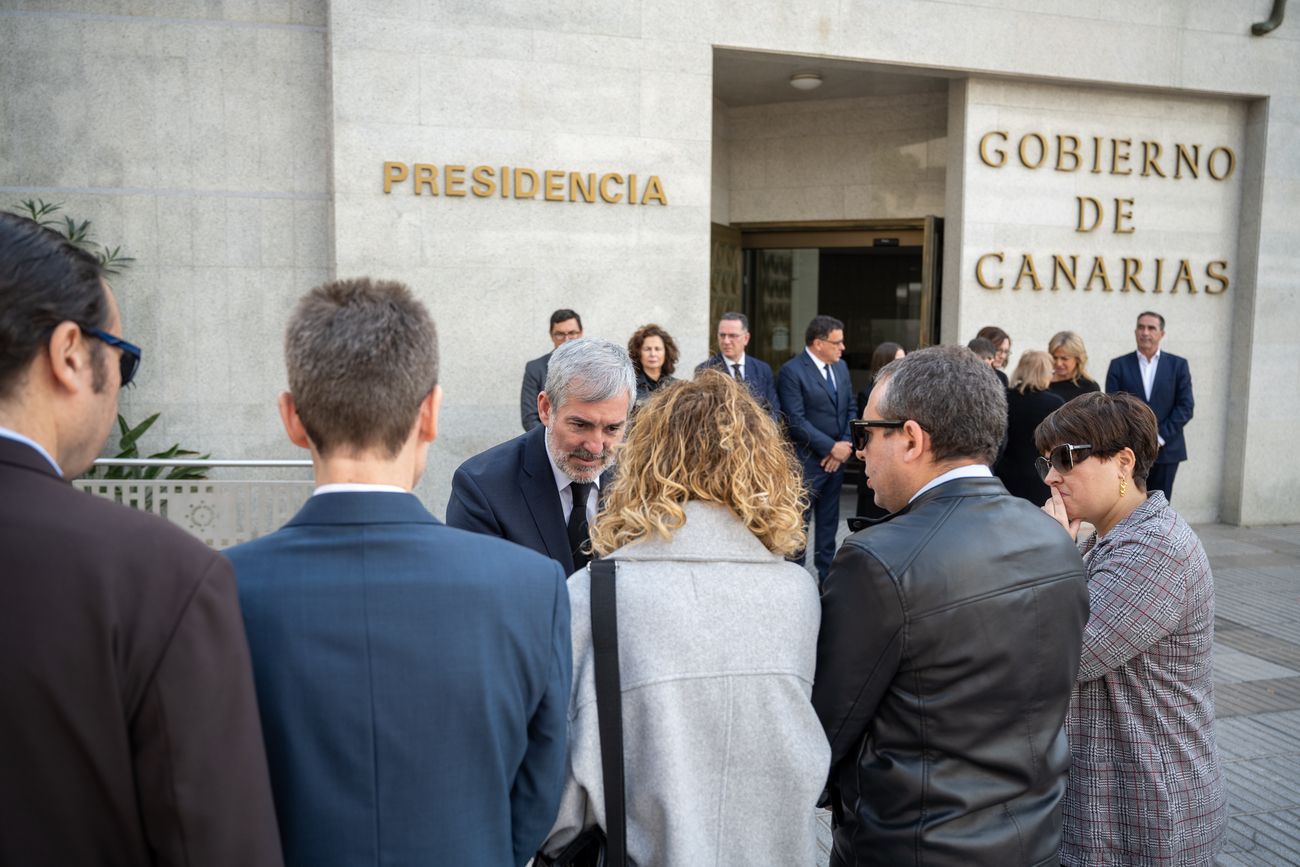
[{"x": 609, "y": 706}]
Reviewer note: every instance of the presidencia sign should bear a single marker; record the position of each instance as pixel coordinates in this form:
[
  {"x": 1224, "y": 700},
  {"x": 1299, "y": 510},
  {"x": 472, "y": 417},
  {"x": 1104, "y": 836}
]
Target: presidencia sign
[
  {"x": 515, "y": 182},
  {"x": 1110, "y": 213}
]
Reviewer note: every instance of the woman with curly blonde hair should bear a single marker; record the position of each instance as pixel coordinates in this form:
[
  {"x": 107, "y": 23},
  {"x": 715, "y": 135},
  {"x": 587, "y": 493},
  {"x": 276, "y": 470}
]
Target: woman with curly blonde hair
[{"x": 717, "y": 640}]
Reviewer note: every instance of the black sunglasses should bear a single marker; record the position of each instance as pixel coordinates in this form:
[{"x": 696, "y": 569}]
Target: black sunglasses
[
  {"x": 860, "y": 429},
  {"x": 128, "y": 361},
  {"x": 1062, "y": 459}
]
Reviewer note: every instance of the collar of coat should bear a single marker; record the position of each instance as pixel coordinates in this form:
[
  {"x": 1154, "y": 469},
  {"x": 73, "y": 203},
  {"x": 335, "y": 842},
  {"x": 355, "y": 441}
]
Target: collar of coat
[{"x": 712, "y": 532}]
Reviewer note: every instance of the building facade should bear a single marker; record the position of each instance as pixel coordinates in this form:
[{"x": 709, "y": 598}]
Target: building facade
[{"x": 1040, "y": 166}]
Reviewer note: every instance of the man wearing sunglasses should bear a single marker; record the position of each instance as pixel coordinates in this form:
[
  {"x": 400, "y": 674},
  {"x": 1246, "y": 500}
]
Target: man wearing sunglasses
[
  {"x": 130, "y": 734},
  {"x": 950, "y": 637}
]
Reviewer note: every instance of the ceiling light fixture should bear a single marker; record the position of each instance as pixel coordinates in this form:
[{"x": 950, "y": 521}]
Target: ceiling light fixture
[{"x": 805, "y": 81}]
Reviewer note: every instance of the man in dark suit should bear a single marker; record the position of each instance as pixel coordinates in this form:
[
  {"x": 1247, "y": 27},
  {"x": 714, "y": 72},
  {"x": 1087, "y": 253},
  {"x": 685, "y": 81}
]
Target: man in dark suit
[
  {"x": 1163, "y": 380},
  {"x": 817, "y": 401},
  {"x": 565, "y": 325},
  {"x": 541, "y": 489},
  {"x": 413, "y": 678},
  {"x": 733, "y": 337},
  {"x": 130, "y": 731}
]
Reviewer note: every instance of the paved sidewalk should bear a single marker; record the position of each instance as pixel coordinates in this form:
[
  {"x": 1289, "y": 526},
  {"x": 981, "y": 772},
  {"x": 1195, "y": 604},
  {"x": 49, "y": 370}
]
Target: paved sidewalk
[{"x": 1257, "y": 689}]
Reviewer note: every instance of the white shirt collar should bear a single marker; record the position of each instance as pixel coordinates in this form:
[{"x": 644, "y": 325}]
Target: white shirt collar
[
  {"x": 821, "y": 365},
  {"x": 970, "y": 471},
  {"x": 728, "y": 362},
  {"x": 356, "y": 487},
  {"x": 1144, "y": 361},
  {"x": 33, "y": 444}
]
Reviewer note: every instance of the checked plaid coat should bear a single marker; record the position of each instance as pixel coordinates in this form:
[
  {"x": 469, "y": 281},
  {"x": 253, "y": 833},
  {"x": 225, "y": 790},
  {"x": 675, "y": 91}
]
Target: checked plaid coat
[{"x": 1145, "y": 785}]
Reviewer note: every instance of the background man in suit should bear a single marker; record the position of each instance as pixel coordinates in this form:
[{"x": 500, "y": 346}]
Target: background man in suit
[
  {"x": 1163, "y": 380},
  {"x": 565, "y": 325},
  {"x": 130, "y": 731},
  {"x": 817, "y": 400},
  {"x": 733, "y": 337},
  {"x": 541, "y": 489},
  {"x": 413, "y": 679}
]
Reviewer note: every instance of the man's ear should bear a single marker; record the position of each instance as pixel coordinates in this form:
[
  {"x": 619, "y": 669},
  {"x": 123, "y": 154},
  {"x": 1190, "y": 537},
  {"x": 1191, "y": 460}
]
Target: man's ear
[
  {"x": 70, "y": 358},
  {"x": 544, "y": 408},
  {"x": 293, "y": 425},
  {"x": 428, "y": 419},
  {"x": 915, "y": 441}
]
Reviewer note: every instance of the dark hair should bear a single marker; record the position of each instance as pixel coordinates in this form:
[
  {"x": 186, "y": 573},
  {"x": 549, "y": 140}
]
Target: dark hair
[
  {"x": 1152, "y": 313},
  {"x": 883, "y": 354},
  {"x": 993, "y": 335},
  {"x": 564, "y": 314},
  {"x": 652, "y": 330},
  {"x": 1107, "y": 422},
  {"x": 983, "y": 347},
  {"x": 45, "y": 280},
  {"x": 952, "y": 395},
  {"x": 736, "y": 317},
  {"x": 361, "y": 356},
  {"x": 820, "y": 328}
]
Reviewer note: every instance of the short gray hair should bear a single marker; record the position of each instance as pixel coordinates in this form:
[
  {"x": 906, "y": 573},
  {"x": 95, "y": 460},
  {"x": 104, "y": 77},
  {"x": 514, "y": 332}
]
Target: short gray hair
[
  {"x": 953, "y": 395},
  {"x": 361, "y": 357},
  {"x": 589, "y": 370}
]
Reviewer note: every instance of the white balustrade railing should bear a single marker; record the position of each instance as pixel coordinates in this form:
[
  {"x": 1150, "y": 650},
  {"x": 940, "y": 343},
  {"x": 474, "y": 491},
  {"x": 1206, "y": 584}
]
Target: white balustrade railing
[{"x": 220, "y": 512}]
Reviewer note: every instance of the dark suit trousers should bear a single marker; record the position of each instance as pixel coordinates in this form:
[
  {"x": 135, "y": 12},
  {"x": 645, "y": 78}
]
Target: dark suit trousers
[
  {"x": 1161, "y": 478},
  {"x": 824, "y": 503}
]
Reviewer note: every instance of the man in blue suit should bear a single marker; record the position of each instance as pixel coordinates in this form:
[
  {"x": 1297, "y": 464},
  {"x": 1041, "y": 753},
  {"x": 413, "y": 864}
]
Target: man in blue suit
[
  {"x": 817, "y": 401},
  {"x": 413, "y": 679},
  {"x": 733, "y": 337},
  {"x": 541, "y": 489},
  {"x": 1163, "y": 380}
]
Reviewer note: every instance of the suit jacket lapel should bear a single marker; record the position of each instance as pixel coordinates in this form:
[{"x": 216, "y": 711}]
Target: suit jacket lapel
[{"x": 537, "y": 482}]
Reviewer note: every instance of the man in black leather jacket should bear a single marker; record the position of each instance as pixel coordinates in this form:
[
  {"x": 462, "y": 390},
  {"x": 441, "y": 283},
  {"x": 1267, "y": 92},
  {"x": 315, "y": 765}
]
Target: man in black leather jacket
[{"x": 950, "y": 638}]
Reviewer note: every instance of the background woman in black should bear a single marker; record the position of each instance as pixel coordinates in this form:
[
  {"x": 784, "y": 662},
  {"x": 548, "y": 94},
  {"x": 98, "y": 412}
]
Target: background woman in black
[
  {"x": 654, "y": 356},
  {"x": 885, "y": 353},
  {"x": 1028, "y": 403},
  {"x": 1069, "y": 366}
]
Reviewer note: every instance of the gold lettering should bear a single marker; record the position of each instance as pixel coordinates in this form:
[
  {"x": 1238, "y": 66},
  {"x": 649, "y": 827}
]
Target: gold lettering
[
  {"x": 505, "y": 182},
  {"x": 484, "y": 184},
  {"x": 1116, "y": 157},
  {"x": 979, "y": 271},
  {"x": 1027, "y": 269},
  {"x": 1096, "y": 213},
  {"x": 1191, "y": 158},
  {"x": 426, "y": 175},
  {"x": 1099, "y": 270},
  {"x": 1132, "y": 267},
  {"x": 1217, "y": 275},
  {"x": 1184, "y": 276},
  {"x": 554, "y": 181},
  {"x": 631, "y": 189},
  {"x": 999, "y": 152},
  {"x": 1072, "y": 152},
  {"x": 1151, "y": 153},
  {"x": 604, "y": 190},
  {"x": 1096, "y": 155},
  {"x": 1121, "y": 215},
  {"x": 654, "y": 190},
  {"x": 1160, "y": 276},
  {"x": 394, "y": 173},
  {"x": 1232, "y": 164},
  {"x": 453, "y": 180},
  {"x": 1042, "y": 149},
  {"x": 1070, "y": 274},
  {"x": 577, "y": 188},
  {"x": 531, "y": 177}
]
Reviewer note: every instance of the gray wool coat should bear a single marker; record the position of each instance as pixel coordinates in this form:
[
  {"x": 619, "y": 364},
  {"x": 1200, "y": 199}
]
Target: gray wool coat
[{"x": 724, "y": 757}]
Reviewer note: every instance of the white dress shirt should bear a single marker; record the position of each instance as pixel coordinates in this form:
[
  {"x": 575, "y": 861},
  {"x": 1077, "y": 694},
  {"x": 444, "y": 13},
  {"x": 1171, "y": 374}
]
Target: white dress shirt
[
  {"x": 562, "y": 483},
  {"x": 1147, "y": 367},
  {"x": 357, "y": 487},
  {"x": 970, "y": 471},
  {"x": 821, "y": 367},
  {"x": 28, "y": 441},
  {"x": 730, "y": 364}
]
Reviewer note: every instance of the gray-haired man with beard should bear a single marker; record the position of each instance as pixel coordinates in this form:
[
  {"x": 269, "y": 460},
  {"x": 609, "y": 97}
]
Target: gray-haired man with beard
[
  {"x": 949, "y": 639},
  {"x": 540, "y": 489}
]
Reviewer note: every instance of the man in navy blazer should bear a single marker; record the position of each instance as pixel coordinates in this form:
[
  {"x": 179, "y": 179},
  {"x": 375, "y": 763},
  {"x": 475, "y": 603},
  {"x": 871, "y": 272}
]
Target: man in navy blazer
[
  {"x": 413, "y": 679},
  {"x": 733, "y": 337},
  {"x": 525, "y": 490},
  {"x": 817, "y": 401},
  {"x": 565, "y": 325},
  {"x": 1163, "y": 380}
]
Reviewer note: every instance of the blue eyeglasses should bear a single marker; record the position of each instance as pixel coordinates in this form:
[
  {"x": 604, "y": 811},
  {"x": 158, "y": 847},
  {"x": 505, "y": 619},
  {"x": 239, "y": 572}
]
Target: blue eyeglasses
[{"x": 128, "y": 361}]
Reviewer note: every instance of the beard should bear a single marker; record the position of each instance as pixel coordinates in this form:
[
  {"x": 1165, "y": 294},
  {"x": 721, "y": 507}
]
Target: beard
[{"x": 574, "y": 470}]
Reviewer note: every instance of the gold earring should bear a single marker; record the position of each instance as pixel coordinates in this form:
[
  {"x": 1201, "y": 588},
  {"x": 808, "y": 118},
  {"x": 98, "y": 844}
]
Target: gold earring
[{"x": 1123, "y": 486}]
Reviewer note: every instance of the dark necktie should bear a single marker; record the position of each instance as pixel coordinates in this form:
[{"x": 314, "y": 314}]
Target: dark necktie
[
  {"x": 830, "y": 380},
  {"x": 578, "y": 523},
  {"x": 735, "y": 371}
]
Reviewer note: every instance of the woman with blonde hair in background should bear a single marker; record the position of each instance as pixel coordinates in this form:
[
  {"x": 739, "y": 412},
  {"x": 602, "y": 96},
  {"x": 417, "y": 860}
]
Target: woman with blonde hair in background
[
  {"x": 1028, "y": 403},
  {"x": 724, "y": 758},
  {"x": 1070, "y": 366}
]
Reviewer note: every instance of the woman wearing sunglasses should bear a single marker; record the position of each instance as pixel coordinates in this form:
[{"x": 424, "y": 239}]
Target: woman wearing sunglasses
[{"x": 1145, "y": 784}]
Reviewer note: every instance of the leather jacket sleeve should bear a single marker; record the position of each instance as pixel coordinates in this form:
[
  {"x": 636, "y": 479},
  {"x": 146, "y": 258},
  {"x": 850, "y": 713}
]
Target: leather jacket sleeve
[{"x": 854, "y": 670}]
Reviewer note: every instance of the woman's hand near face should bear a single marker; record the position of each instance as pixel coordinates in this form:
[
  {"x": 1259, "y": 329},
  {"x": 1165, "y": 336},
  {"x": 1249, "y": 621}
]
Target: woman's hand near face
[{"x": 1056, "y": 508}]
